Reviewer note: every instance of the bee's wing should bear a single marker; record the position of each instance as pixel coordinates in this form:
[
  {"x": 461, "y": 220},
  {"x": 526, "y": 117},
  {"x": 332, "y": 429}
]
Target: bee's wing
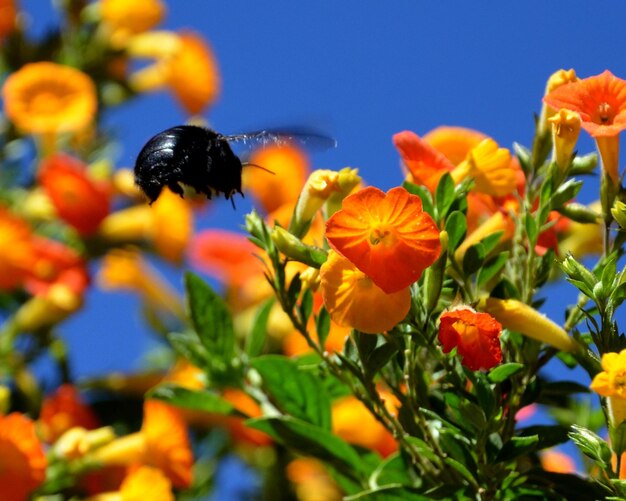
[{"x": 306, "y": 137}]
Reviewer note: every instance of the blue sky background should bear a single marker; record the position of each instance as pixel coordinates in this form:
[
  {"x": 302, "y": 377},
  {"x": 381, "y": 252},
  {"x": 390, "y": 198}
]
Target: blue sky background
[{"x": 362, "y": 71}]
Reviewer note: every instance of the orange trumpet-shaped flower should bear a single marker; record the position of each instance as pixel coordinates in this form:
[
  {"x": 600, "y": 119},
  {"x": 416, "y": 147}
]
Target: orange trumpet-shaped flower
[
  {"x": 454, "y": 142},
  {"x": 601, "y": 102},
  {"x": 387, "y": 236},
  {"x": 64, "y": 410},
  {"x": 162, "y": 442},
  {"x": 476, "y": 336},
  {"x": 354, "y": 300},
  {"x": 80, "y": 201},
  {"x": 22, "y": 459}
]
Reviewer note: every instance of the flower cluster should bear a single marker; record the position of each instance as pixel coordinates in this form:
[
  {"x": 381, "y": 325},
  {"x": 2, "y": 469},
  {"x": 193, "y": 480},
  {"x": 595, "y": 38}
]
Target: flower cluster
[{"x": 364, "y": 343}]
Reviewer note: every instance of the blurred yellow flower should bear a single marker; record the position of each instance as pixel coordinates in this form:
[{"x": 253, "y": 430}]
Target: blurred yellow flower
[
  {"x": 144, "y": 483},
  {"x": 311, "y": 480},
  {"x": 124, "y": 18},
  {"x": 49, "y": 98},
  {"x": 48, "y": 308},
  {"x": 167, "y": 224},
  {"x": 184, "y": 63}
]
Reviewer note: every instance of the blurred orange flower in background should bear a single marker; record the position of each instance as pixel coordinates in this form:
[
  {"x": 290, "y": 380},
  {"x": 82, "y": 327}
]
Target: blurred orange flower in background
[
  {"x": 8, "y": 17},
  {"x": 81, "y": 201},
  {"x": 22, "y": 459},
  {"x": 49, "y": 98},
  {"x": 387, "y": 236},
  {"x": 289, "y": 167},
  {"x": 17, "y": 252},
  {"x": 63, "y": 410},
  {"x": 476, "y": 336},
  {"x": 125, "y": 18},
  {"x": 354, "y": 300},
  {"x": 144, "y": 483}
]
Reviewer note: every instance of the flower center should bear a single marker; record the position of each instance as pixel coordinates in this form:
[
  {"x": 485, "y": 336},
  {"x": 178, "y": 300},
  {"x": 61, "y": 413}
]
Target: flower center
[
  {"x": 46, "y": 103},
  {"x": 465, "y": 331},
  {"x": 604, "y": 114},
  {"x": 619, "y": 382},
  {"x": 382, "y": 235}
]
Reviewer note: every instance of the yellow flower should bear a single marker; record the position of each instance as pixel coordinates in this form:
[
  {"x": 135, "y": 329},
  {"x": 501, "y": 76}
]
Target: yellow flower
[
  {"x": 556, "y": 80},
  {"x": 490, "y": 167},
  {"x": 611, "y": 383},
  {"x": 167, "y": 224},
  {"x": 354, "y": 300},
  {"x": 519, "y": 317},
  {"x": 48, "y": 309},
  {"x": 565, "y": 131},
  {"x": 49, "y": 98},
  {"x": 124, "y": 18},
  {"x": 126, "y": 269},
  {"x": 184, "y": 62},
  {"x": 497, "y": 222}
]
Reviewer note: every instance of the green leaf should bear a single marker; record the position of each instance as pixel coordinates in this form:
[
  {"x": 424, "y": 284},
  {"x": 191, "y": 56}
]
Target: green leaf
[
  {"x": 200, "y": 400},
  {"x": 518, "y": 446},
  {"x": 532, "y": 230},
  {"x": 256, "y": 339},
  {"x": 306, "y": 306},
  {"x": 388, "y": 493},
  {"x": 187, "y": 344},
  {"x": 564, "y": 193},
  {"x": 579, "y": 213},
  {"x": 444, "y": 195},
  {"x": 504, "y": 372},
  {"x": 322, "y": 325},
  {"x": 424, "y": 194},
  {"x": 462, "y": 469},
  {"x": 379, "y": 357},
  {"x": 313, "y": 441},
  {"x": 456, "y": 227},
  {"x": 212, "y": 321},
  {"x": 548, "y": 435},
  {"x": 292, "y": 390},
  {"x": 394, "y": 470},
  {"x": 492, "y": 268},
  {"x": 473, "y": 259},
  {"x": 293, "y": 292}
]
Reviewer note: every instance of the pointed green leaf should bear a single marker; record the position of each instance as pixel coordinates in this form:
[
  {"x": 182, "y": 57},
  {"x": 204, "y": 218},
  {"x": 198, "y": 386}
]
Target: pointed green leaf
[
  {"x": 504, "y": 372},
  {"x": 444, "y": 195},
  {"x": 199, "y": 400},
  {"x": 456, "y": 227},
  {"x": 256, "y": 338}
]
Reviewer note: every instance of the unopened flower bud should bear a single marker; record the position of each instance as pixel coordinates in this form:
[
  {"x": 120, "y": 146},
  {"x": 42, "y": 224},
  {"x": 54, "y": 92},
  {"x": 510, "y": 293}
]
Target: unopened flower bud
[
  {"x": 77, "y": 442},
  {"x": 48, "y": 309},
  {"x": 565, "y": 132},
  {"x": 292, "y": 247},
  {"x": 619, "y": 213},
  {"x": 310, "y": 278},
  {"x": 556, "y": 80}
]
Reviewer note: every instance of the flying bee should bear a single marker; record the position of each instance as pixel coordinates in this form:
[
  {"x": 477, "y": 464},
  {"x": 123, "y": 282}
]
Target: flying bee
[{"x": 203, "y": 159}]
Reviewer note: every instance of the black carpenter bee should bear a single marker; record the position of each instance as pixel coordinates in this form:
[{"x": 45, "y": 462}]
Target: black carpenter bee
[{"x": 203, "y": 159}]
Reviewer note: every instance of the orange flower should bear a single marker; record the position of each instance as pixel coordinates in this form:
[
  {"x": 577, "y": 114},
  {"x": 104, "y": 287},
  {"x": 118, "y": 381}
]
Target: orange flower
[
  {"x": 185, "y": 63},
  {"x": 557, "y": 462},
  {"x": 425, "y": 164},
  {"x": 8, "y": 17},
  {"x": 225, "y": 255},
  {"x": 64, "y": 410},
  {"x": 476, "y": 336},
  {"x": 354, "y": 300},
  {"x": 454, "y": 142},
  {"x": 48, "y": 98},
  {"x": 162, "y": 442},
  {"x": 125, "y": 18},
  {"x": 236, "y": 425},
  {"x": 353, "y": 422},
  {"x": 22, "y": 459},
  {"x": 79, "y": 200},
  {"x": 311, "y": 480},
  {"x": 601, "y": 102},
  {"x": 17, "y": 254},
  {"x": 146, "y": 482},
  {"x": 387, "y": 236},
  {"x": 290, "y": 167}
]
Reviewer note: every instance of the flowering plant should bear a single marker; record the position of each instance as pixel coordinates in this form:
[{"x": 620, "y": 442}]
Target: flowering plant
[{"x": 365, "y": 344}]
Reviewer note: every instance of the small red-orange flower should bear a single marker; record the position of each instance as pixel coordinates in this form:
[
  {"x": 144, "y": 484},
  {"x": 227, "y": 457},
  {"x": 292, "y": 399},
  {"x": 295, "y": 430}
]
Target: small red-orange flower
[
  {"x": 17, "y": 254},
  {"x": 600, "y": 100},
  {"x": 387, "y": 236},
  {"x": 64, "y": 410},
  {"x": 476, "y": 336},
  {"x": 79, "y": 200},
  {"x": 22, "y": 459}
]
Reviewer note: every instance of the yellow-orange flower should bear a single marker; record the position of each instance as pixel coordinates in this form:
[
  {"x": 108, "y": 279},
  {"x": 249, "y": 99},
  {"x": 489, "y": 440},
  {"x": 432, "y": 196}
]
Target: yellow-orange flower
[
  {"x": 167, "y": 224},
  {"x": 64, "y": 410},
  {"x": 17, "y": 254},
  {"x": 612, "y": 380},
  {"x": 311, "y": 480},
  {"x": 387, "y": 236},
  {"x": 565, "y": 131},
  {"x": 162, "y": 442},
  {"x": 48, "y": 98},
  {"x": 81, "y": 201},
  {"x": 476, "y": 336},
  {"x": 144, "y": 483},
  {"x": 185, "y": 63},
  {"x": 557, "y": 462},
  {"x": 353, "y": 422},
  {"x": 290, "y": 167},
  {"x": 354, "y": 300},
  {"x": 22, "y": 459},
  {"x": 454, "y": 142},
  {"x": 125, "y": 18}
]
